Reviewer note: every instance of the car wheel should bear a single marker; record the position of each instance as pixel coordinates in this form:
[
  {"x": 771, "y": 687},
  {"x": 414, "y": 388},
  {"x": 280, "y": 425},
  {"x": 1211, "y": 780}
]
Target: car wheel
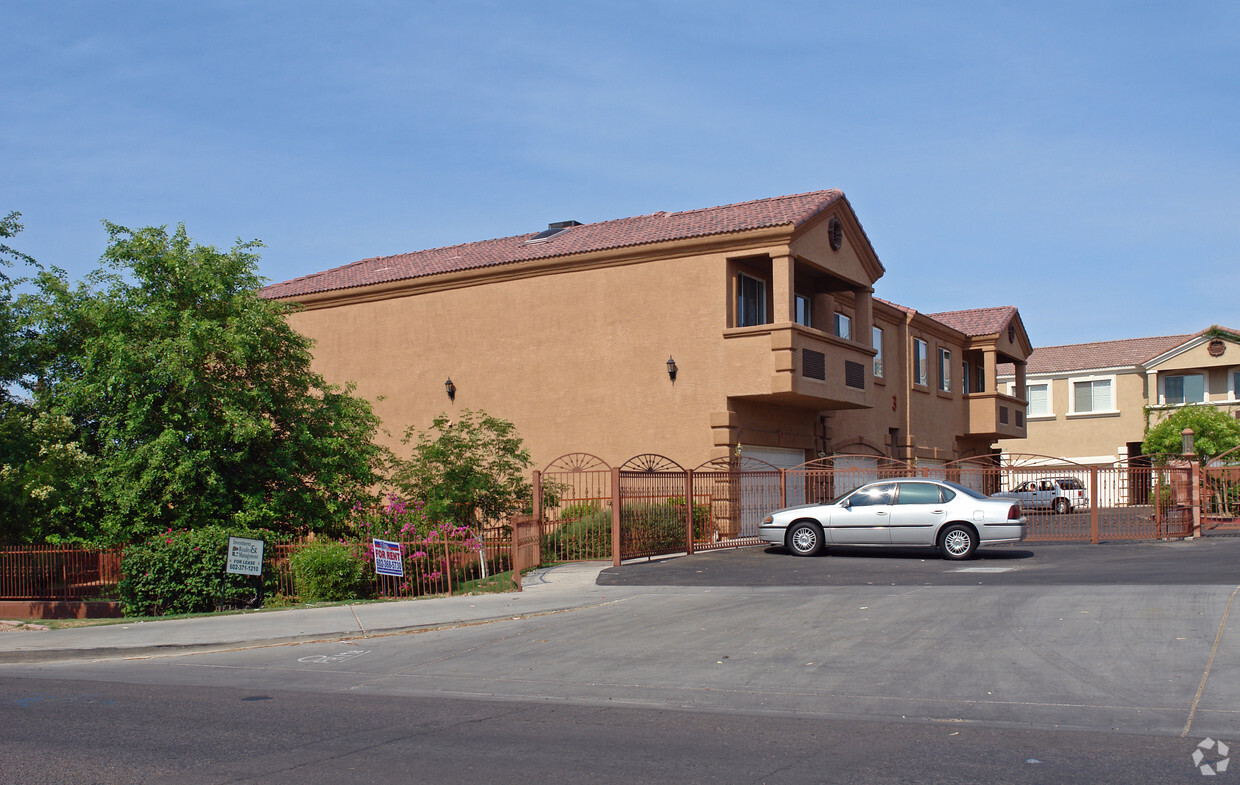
[
  {"x": 1061, "y": 505},
  {"x": 957, "y": 542},
  {"x": 804, "y": 539}
]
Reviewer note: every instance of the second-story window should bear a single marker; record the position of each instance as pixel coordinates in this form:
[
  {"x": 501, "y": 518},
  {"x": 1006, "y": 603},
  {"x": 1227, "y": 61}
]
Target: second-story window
[
  {"x": 1190, "y": 388},
  {"x": 750, "y": 301},
  {"x": 921, "y": 373},
  {"x": 803, "y": 315},
  {"x": 979, "y": 384},
  {"x": 877, "y": 340},
  {"x": 843, "y": 326},
  {"x": 1039, "y": 398},
  {"x": 966, "y": 378},
  {"x": 945, "y": 370}
]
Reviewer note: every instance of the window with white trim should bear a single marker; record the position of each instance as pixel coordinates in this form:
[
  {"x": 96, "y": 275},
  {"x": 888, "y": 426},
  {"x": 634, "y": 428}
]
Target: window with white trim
[
  {"x": 945, "y": 370},
  {"x": 750, "y": 301},
  {"x": 1038, "y": 397},
  {"x": 920, "y": 358},
  {"x": 1187, "y": 388},
  {"x": 1235, "y": 385},
  {"x": 843, "y": 326},
  {"x": 1092, "y": 395},
  {"x": 876, "y": 338}
]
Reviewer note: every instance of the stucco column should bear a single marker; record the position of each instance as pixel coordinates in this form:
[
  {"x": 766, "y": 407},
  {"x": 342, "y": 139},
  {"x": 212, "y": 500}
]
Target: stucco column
[
  {"x": 1020, "y": 391},
  {"x": 862, "y": 333},
  {"x": 783, "y": 288},
  {"x": 990, "y": 377},
  {"x": 823, "y": 311}
]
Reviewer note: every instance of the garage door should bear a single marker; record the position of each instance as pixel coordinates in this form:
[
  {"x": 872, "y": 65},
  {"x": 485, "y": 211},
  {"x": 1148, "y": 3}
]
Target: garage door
[
  {"x": 853, "y": 471},
  {"x": 784, "y": 458}
]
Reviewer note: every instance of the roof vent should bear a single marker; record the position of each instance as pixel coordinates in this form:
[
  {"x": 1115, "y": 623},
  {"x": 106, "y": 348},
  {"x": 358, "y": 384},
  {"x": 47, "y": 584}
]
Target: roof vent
[{"x": 551, "y": 231}]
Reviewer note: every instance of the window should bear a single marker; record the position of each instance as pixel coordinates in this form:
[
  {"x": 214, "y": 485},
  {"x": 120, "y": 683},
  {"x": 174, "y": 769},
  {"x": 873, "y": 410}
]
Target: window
[
  {"x": 843, "y": 326},
  {"x": 1235, "y": 385},
  {"x": 920, "y": 371},
  {"x": 1190, "y": 388},
  {"x": 1039, "y": 398},
  {"x": 750, "y": 301},
  {"x": 873, "y": 495},
  {"x": 802, "y": 315},
  {"x": 1092, "y": 395},
  {"x": 966, "y": 378},
  {"x": 876, "y": 338},
  {"x": 919, "y": 493},
  {"x": 945, "y": 370},
  {"x": 980, "y": 385}
]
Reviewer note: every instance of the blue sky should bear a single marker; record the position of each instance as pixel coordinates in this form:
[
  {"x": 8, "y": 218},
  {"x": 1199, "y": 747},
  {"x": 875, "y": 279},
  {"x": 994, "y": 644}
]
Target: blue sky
[{"x": 1077, "y": 160}]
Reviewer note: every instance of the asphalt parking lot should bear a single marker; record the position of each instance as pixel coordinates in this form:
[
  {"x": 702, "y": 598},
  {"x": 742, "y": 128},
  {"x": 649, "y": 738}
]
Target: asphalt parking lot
[{"x": 1213, "y": 560}]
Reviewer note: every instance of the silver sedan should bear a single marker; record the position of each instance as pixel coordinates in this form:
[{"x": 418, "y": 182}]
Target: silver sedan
[{"x": 907, "y": 513}]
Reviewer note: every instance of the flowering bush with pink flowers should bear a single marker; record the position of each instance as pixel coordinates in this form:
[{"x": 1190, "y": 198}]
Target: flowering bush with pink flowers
[{"x": 434, "y": 554}]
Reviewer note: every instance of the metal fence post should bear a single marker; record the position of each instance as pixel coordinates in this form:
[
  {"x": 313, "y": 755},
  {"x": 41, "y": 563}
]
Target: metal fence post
[
  {"x": 615, "y": 516},
  {"x": 1093, "y": 505},
  {"x": 689, "y": 512},
  {"x": 1195, "y": 498}
]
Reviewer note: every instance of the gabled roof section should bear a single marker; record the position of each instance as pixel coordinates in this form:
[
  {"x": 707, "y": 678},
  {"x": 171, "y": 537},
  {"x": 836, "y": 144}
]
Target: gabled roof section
[
  {"x": 1129, "y": 352},
  {"x": 977, "y": 321},
  {"x": 793, "y": 211}
]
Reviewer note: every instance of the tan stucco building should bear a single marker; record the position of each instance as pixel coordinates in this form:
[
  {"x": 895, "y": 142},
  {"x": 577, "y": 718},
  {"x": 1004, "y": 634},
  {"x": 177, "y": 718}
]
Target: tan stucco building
[
  {"x": 1092, "y": 402},
  {"x": 765, "y": 308}
]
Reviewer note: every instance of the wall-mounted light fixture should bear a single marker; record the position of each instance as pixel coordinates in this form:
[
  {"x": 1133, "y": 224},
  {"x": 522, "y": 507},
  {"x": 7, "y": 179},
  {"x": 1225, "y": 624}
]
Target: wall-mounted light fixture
[
  {"x": 671, "y": 369},
  {"x": 450, "y": 388}
]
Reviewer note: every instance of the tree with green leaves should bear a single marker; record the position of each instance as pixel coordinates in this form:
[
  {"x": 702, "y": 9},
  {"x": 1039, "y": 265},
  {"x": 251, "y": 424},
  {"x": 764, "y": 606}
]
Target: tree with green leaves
[
  {"x": 1214, "y": 432},
  {"x": 192, "y": 397},
  {"x": 469, "y": 470}
]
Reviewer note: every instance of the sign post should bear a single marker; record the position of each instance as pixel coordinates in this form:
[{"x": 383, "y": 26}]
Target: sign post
[
  {"x": 245, "y": 557},
  {"x": 388, "y": 559}
]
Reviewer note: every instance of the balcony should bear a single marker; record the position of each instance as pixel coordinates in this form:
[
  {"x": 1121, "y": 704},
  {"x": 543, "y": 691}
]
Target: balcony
[
  {"x": 798, "y": 366},
  {"x": 996, "y": 416}
]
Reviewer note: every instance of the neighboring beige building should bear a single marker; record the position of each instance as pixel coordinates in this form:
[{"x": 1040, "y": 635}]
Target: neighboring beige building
[
  {"x": 765, "y": 309},
  {"x": 1092, "y": 402}
]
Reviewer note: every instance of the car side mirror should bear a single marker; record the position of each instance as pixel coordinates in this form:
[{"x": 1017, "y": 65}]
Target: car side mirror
[{"x": 846, "y": 503}]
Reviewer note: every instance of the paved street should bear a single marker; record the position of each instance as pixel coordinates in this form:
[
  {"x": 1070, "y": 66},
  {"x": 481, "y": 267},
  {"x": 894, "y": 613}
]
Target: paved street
[{"x": 1106, "y": 662}]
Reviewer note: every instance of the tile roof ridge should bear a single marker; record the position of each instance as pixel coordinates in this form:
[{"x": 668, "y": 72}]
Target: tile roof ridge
[
  {"x": 976, "y": 310},
  {"x": 834, "y": 193},
  {"x": 1117, "y": 340}
]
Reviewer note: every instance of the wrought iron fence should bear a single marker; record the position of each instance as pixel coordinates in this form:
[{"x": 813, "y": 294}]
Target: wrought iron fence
[{"x": 45, "y": 572}]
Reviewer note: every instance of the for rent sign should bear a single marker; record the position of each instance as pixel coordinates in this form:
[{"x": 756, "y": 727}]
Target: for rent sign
[
  {"x": 387, "y": 559},
  {"x": 245, "y": 557}
]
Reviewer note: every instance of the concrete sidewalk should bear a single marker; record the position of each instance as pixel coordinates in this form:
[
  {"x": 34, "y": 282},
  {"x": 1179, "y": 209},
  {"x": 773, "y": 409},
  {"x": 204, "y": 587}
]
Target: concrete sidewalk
[{"x": 549, "y": 590}]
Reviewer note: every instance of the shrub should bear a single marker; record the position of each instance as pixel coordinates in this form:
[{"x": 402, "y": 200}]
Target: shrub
[
  {"x": 182, "y": 572},
  {"x": 584, "y": 536},
  {"x": 581, "y": 509},
  {"x": 327, "y": 572}
]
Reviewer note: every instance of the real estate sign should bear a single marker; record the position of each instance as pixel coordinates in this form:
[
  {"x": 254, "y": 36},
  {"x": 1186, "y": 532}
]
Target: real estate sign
[
  {"x": 245, "y": 557},
  {"x": 387, "y": 559}
]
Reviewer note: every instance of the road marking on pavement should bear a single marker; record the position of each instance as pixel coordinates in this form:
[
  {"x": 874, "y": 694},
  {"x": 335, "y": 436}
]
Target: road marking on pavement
[
  {"x": 1192, "y": 711},
  {"x": 984, "y": 569}
]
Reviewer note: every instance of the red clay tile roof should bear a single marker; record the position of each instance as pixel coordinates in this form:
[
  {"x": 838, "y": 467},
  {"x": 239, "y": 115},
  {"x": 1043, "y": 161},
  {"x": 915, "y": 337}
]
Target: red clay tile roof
[
  {"x": 1100, "y": 354},
  {"x": 977, "y": 321},
  {"x": 620, "y": 233}
]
